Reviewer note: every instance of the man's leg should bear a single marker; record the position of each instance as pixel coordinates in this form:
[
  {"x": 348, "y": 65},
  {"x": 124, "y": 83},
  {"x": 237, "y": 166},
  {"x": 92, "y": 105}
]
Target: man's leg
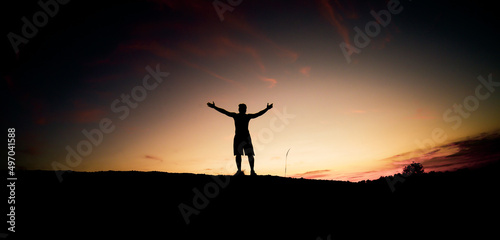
[
  {"x": 238, "y": 162},
  {"x": 249, "y": 153},
  {"x": 251, "y": 162}
]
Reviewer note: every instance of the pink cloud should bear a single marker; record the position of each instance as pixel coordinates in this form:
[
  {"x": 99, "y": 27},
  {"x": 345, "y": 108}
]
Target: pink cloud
[
  {"x": 316, "y": 174},
  {"x": 175, "y": 55},
  {"x": 335, "y": 19},
  {"x": 305, "y": 70},
  {"x": 473, "y": 152},
  {"x": 210, "y": 44},
  {"x": 272, "y": 81}
]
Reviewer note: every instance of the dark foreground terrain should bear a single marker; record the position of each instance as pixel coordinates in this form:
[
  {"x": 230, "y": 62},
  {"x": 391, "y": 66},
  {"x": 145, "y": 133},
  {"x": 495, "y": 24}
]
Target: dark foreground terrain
[{"x": 147, "y": 205}]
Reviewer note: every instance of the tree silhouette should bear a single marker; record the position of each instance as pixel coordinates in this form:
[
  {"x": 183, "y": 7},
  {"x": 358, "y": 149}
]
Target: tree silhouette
[{"x": 413, "y": 168}]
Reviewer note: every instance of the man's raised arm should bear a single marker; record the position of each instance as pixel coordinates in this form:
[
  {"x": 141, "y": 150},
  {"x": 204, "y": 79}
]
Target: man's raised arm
[
  {"x": 221, "y": 110},
  {"x": 269, "y": 106}
]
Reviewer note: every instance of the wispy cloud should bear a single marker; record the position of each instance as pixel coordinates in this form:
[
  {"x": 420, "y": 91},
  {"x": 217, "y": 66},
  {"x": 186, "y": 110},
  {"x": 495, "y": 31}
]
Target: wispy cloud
[
  {"x": 334, "y": 17},
  {"x": 472, "y": 152},
  {"x": 316, "y": 174},
  {"x": 465, "y": 153},
  {"x": 336, "y": 12},
  {"x": 272, "y": 81},
  {"x": 153, "y": 158},
  {"x": 210, "y": 43}
]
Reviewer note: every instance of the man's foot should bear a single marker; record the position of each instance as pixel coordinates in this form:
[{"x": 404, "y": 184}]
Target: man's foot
[
  {"x": 252, "y": 173},
  {"x": 239, "y": 173}
]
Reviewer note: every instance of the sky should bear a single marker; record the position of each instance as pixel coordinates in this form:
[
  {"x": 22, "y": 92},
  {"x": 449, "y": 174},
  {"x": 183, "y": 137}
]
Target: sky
[{"x": 359, "y": 88}]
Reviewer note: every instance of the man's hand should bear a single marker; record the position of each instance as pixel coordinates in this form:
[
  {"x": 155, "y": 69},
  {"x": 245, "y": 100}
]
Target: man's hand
[
  {"x": 269, "y": 106},
  {"x": 212, "y": 105}
]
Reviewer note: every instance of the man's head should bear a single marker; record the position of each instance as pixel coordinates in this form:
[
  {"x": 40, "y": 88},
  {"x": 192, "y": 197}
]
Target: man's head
[{"x": 242, "y": 108}]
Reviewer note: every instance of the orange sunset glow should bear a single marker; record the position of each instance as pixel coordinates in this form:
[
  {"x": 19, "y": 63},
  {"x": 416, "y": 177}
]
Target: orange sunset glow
[{"x": 359, "y": 89}]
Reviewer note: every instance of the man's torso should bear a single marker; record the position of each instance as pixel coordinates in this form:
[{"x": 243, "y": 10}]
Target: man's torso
[{"x": 241, "y": 124}]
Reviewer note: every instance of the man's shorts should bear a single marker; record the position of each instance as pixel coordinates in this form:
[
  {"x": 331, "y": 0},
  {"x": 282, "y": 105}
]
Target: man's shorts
[{"x": 242, "y": 145}]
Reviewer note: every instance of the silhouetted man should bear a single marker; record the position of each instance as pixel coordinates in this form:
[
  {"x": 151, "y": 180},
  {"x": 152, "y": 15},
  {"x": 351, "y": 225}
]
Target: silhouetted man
[{"x": 242, "y": 144}]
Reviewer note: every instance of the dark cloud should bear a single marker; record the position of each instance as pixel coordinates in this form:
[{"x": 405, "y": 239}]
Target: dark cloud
[{"x": 153, "y": 158}]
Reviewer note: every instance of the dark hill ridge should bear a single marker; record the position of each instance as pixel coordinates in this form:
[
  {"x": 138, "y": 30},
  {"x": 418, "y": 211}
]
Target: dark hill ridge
[{"x": 157, "y": 205}]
